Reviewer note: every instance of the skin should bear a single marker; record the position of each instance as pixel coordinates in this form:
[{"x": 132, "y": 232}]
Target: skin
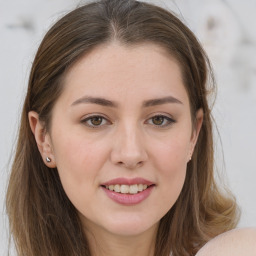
[
  {"x": 236, "y": 242},
  {"x": 129, "y": 142}
]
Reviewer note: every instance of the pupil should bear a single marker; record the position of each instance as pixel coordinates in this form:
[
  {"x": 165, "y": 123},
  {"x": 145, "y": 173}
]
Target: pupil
[
  {"x": 96, "y": 120},
  {"x": 158, "y": 120}
]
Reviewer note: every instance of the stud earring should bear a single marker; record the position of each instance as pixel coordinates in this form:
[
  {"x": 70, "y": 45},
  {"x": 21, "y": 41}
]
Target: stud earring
[
  {"x": 190, "y": 157},
  {"x": 48, "y": 159}
]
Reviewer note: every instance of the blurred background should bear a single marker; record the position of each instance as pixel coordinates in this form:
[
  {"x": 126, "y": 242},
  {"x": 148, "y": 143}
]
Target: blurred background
[{"x": 226, "y": 28}]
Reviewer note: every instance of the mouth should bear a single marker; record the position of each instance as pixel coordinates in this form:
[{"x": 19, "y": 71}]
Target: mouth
[{"x": 127, "y": 189}]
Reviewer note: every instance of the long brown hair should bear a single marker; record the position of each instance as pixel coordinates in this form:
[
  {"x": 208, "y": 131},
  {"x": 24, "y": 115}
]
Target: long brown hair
[{"x": 42, "y": 219}]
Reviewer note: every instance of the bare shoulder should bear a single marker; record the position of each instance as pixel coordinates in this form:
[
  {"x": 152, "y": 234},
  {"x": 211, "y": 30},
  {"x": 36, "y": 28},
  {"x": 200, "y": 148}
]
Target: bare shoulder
[{"x": 237, "y": 242}]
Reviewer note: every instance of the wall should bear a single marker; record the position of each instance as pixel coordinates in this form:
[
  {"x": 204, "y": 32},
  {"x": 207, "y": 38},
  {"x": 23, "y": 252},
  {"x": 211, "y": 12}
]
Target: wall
[{"x": 225, "y": 28}]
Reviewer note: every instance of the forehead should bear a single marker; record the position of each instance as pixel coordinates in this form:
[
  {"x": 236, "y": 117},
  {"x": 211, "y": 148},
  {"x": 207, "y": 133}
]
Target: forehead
[{"x": 115, "y": 71}]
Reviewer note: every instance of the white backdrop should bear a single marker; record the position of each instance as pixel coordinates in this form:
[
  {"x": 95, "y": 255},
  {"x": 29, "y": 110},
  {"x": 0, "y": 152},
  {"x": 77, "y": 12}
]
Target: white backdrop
[{"x": 226, "y": 28}]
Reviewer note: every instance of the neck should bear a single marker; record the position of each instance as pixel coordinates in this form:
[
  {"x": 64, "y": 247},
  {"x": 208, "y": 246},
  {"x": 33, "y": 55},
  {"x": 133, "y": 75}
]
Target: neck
[{"x": 107, "y": 244}]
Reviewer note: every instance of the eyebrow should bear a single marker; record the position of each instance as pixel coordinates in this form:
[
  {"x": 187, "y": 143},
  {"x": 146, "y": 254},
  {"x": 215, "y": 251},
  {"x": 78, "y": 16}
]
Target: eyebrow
[
  {"x": 108, "y": 103},
  {"x": 95, "y": 100},
  {"x": 160, "y": 101}
]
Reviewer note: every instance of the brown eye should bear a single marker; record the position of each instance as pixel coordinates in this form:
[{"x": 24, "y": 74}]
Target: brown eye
[
  {"x": 161, "y": 121},
  {"x": 96, "y": 120},
  {"x": 158, "y": 120}
]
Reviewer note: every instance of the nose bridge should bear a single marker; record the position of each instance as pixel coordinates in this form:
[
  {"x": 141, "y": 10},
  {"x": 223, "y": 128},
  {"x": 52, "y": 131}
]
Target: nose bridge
[{"x": 128, "y": 148}]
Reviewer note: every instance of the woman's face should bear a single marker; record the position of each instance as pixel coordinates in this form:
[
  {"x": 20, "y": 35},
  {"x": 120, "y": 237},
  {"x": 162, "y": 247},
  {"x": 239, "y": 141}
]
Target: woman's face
[{"x": 123, "y": 123}]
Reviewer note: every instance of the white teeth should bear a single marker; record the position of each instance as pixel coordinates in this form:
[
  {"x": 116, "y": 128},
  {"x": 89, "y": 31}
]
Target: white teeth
[
  {"x": 140, "y": 187},
  {"x": 117, "y": 188},
  {"x": 126, "y": 189},
  {"x": 111, "y": 187},
  {"x": 134, "y": 189}
]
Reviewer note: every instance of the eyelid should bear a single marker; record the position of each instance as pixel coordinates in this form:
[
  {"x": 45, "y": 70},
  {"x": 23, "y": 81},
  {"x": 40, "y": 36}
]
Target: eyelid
[
  {"x": 90, "y": 116},
  {"x": 170, "y": 120},
  {"x": 85, "y": 119}
]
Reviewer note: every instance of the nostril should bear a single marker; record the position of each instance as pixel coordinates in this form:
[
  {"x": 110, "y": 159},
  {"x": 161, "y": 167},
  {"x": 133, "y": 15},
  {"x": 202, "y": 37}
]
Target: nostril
[
  {"x": 130, "y": 165},
  {"x": 140, "y": 163}
]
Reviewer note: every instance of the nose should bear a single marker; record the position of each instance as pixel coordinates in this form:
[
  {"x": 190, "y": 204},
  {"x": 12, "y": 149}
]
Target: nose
[{"x": 128, "y": 148}]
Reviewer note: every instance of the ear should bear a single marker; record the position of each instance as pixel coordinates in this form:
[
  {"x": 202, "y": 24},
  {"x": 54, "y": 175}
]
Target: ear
[
  {"x": 42, "y": 138},
  {"x": 196, "y": 129}
]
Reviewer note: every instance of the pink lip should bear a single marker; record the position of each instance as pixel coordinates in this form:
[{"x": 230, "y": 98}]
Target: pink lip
[
  {"x": 128, "y": 199},
  {"x": 126, "y": 181}
]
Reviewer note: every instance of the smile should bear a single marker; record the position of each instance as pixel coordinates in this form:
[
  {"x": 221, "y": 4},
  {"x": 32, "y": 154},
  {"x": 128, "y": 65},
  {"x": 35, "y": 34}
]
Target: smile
[{"x": 127, "y": 189}]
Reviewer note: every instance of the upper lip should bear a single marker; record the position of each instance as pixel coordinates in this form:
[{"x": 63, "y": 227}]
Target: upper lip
[{"x": 126, "y": 181}]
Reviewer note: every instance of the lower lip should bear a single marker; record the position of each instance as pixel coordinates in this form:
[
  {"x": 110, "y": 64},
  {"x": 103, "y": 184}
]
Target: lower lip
[{"x": 128, "y": 199}]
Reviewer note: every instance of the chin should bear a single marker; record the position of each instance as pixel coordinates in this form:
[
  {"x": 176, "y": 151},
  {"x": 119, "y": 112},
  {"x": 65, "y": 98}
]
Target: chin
[{"x": 130, "y": 226}]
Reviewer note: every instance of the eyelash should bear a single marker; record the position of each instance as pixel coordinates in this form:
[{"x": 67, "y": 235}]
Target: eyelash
[
  {"x": 90, "y": 118},
  {"x": 167, "y": 120}
]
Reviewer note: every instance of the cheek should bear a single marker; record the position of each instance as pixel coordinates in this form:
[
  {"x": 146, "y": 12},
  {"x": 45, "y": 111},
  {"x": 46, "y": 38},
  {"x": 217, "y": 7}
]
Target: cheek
[
  {"x": 171, "y": 163},
  {"x": 79, "y": 162},
  {"x": 171, "y": 154},
  {"x": 76, "y": 154}
]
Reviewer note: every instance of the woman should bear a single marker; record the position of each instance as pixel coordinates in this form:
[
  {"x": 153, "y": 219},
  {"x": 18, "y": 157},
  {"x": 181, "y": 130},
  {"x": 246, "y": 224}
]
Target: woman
[{"x": 115, "y": 152}]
